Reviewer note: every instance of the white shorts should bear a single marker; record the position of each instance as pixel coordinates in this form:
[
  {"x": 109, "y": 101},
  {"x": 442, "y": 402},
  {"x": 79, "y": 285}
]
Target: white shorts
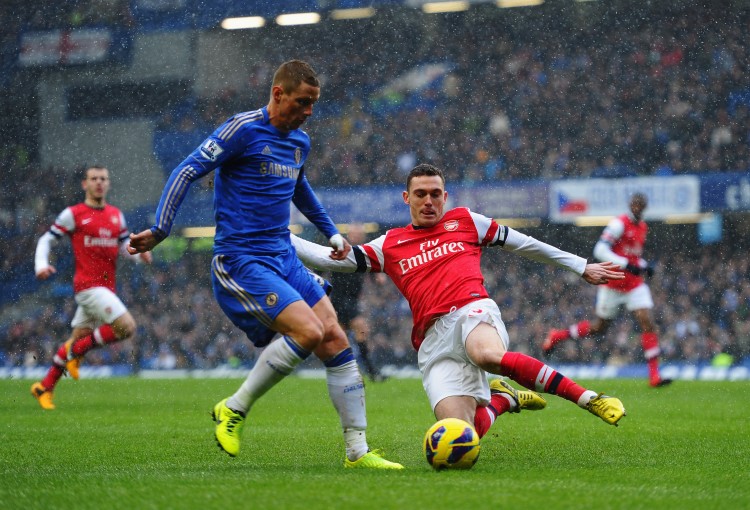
[
  {"x": 609, "y": 301},
  {"x": 446, "y": 368},
  {"x": 96, "y": 306}
]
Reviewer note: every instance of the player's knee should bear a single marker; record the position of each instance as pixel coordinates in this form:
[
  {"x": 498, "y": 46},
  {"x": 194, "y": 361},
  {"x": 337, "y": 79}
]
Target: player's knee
[
  {"x": 310, "y": 336},
  {"x": 126, "y": 332},
  {"x": 489, "y": 361},
  {"x": 334, "y": 332},
  {"x": 334, "y": 342},
  {"x": 599, "y": 327},
  {"x": 124, "y": 327}
]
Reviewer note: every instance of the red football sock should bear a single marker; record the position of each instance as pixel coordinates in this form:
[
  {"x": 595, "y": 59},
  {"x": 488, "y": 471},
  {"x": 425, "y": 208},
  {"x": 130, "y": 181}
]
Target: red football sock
[
  {"x": 62, "y": 354},
  {"x": 651, "y": 350},
  {"x": 584, "y": 329},
  {"x": 101, "y": 336},
  {"x": 486, "y": 416},
  {"x": 53, "y": 375},
  {"x": 554, "y": 337},
  {"x": 535, "y": 375},
  {"x": 654, "y": 377},
  {"x": 83, "y": 345}
]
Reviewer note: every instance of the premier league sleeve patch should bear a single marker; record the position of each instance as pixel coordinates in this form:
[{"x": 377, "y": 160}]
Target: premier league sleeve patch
[{"x": 211, "y": 150}]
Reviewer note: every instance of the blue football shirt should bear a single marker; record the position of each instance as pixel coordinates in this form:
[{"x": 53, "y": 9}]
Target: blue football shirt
[{"x": 259, "y": 173}]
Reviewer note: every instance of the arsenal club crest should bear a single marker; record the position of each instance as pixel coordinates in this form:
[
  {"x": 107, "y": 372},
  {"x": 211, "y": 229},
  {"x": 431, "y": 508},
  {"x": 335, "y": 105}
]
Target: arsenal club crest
[{"x": 451, "y": 225}]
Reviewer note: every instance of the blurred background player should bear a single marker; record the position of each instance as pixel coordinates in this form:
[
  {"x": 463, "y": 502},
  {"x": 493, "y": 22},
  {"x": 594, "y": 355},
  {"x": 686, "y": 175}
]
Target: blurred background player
[
  {"x": 622, "y": 243},
  {"x": 345, "y": 296},
  {"x": 98, "y": 235},
  {"x": 458, "y": 331},
  {"x": 258, "y": 159}
]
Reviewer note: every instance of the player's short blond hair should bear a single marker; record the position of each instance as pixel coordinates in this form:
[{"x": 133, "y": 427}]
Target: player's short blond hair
[{"x": 292, "y": 73}]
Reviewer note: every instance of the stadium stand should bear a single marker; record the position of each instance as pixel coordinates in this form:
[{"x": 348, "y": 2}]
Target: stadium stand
[
  {"x": 618, "y": 100},
  {"x": 702, "y": 309}
]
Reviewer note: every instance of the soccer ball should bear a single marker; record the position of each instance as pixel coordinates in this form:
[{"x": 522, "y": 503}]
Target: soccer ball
[{"x": 451, "y": 444}]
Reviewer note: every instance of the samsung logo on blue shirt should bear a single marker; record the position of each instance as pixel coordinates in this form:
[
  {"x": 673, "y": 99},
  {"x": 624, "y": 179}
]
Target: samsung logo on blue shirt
[{"x": 268, "y": 168}]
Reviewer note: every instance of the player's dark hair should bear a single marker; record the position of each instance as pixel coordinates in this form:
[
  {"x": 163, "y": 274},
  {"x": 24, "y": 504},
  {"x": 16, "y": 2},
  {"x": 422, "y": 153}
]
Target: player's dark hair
[
  {"x": 424, "y": 169},
  {"x": 85, "y": 170},
  {"x": 639, "y": 197},
  {"x": 290, "y": 74}
]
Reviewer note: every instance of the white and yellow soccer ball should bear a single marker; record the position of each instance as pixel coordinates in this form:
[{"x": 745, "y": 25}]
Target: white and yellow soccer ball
[{"x": 451, "y": 444}]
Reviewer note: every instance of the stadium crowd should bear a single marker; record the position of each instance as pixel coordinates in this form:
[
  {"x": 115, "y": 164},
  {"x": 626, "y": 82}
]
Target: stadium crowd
[
  {"x": 701, "y": 311},
  {"x": 659, "y": 96}
]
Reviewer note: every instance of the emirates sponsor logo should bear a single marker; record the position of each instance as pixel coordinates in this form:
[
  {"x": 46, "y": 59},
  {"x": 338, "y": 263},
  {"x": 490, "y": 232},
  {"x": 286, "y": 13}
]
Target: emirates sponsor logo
[
  {"x": 429, "y": 251},
  {"x": 100, "y": 242}
]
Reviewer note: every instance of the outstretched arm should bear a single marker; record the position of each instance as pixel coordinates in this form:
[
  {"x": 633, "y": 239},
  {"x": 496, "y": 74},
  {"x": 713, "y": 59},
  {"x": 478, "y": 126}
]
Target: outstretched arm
[
  {"x": 220, "y": 146},
  {"x": 308, "y": 204},
  {"x": 172, "y": 196},
  {"x": 529, "y": 247},
  {"x": 321, "y": 257},
  {"x": 533, "y": 249}
]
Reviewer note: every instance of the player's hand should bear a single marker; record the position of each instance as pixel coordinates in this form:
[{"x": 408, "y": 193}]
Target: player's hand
[
  {"x": 340, "y": 247},
  {"x": 602, "y": 272},
  {"x": 142, "y": 242},
  {"x": 46, "y": 272}
]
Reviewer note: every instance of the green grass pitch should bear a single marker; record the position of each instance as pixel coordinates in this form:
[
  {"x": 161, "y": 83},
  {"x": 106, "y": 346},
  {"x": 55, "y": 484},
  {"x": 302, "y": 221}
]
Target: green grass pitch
[{"x": 148, "y": 444}]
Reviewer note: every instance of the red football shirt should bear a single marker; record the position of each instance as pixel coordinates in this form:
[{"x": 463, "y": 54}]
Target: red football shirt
[
  {"x": 437, "y": 269},
  {"x": 95, "y": 234},
  {"x": 627, "y": 239}
]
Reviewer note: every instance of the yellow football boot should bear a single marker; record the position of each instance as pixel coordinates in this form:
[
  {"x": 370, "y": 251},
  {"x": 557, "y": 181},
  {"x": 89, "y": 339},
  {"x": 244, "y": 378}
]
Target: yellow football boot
[
  {"x": 372, "y": 460},
  {"x": 609, "y": 409},
  {"x": 229, "y": 425},
  {"x": 42, "y": 395},
  {"x": 529, "y": 400},
  {"x": 72, "y": 362}
]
